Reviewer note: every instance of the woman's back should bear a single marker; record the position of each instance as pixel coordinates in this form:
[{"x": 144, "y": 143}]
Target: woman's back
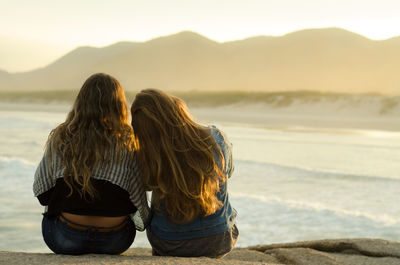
[
  {"x": 88, "y": 176},
  {"x": 111, "y": 180},
  {"x": 186, "y": 165},
  {"x": 201, "y": 225}
]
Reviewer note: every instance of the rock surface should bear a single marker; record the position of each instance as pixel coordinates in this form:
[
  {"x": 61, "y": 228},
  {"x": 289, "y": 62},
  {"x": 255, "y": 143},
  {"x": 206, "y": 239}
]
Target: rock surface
[
  {"x": 320, "y": 252},
  {"x": 335, "y": 251}
]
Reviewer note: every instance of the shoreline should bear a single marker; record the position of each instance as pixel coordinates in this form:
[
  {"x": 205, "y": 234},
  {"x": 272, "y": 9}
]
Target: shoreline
[
  {"x": 293, "y": 118},
  {"x": 329, "y": 251},
  {"x": 299, "y": 118}
]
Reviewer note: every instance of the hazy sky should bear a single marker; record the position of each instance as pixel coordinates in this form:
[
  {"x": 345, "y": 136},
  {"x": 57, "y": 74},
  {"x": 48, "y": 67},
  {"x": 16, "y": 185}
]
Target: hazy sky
[{"x": 33, "y": 33}]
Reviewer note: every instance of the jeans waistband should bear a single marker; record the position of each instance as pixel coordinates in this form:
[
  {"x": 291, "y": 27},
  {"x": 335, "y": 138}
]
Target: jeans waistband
[{"x": 90, "y": 227}]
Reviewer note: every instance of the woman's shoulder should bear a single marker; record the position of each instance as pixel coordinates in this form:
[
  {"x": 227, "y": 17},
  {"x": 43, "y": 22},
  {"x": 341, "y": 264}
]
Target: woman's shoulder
[
  {"x": 218, "y": 135},
  {"x": 50, "y": 149},
  {"x": 221, "y": 140}
]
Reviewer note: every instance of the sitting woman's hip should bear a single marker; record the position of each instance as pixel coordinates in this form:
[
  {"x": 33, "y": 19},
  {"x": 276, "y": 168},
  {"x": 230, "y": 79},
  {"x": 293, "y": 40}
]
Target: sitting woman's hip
[
  {"x": 64, "y": 236},
  {"x": 215, "y": 246}
]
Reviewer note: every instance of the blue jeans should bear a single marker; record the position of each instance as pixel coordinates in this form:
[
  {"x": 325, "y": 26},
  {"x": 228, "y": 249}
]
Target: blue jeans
[
  {"x": 63, "y": 239},
  {"x": 215, "y": 246}
]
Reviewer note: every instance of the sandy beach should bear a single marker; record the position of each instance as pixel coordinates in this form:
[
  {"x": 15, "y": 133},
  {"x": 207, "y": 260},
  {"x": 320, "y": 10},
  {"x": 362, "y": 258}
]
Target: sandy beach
[
  {"x": 298, "y": 117},
  {"x": 295, "y": 119}
]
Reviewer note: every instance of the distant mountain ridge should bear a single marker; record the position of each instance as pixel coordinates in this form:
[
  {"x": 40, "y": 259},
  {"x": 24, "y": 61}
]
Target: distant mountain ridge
[{"x": 330, "y": 60}]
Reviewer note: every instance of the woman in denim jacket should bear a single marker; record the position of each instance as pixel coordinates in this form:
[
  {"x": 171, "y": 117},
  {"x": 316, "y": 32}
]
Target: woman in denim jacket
[{"x": 186, "y": 166}]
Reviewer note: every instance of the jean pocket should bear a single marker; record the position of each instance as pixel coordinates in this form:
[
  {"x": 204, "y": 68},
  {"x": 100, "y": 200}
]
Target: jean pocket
[{"x": 121, "y": 240}]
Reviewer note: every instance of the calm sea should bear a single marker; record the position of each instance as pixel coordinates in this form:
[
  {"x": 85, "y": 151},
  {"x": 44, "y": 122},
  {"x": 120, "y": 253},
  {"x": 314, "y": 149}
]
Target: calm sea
[{"x": 288, "y": 185}]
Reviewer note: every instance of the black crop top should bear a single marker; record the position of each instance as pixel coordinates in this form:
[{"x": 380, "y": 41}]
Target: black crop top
[{"x": 111, "y": 200}]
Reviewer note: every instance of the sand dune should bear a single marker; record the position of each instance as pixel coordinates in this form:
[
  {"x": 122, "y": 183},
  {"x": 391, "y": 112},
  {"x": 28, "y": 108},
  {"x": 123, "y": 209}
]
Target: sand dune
[{"x": 289, "y": 111}]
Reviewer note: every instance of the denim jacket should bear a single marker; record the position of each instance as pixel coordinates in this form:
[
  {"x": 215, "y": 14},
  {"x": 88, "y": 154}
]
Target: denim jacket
[{"x": 219, "y": 222}]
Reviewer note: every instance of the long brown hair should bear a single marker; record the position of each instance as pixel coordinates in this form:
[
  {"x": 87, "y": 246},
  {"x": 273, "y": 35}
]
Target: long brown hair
[
  {"x": 177, "y": 156},
  {"x": 95, "y": 130}
]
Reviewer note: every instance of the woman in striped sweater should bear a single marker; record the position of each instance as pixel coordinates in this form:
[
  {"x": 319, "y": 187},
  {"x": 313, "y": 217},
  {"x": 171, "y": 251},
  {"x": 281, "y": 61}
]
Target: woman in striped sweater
[{"x": 88, "y": 179}]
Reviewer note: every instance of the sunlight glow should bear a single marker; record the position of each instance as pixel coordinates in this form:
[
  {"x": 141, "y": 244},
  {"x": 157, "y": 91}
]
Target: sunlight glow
[{"x": 64, "y": 25}]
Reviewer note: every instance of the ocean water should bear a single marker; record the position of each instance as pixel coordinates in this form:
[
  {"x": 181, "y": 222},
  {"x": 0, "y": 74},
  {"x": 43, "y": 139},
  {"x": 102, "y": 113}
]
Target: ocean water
[{"x": 288, "y": 185}]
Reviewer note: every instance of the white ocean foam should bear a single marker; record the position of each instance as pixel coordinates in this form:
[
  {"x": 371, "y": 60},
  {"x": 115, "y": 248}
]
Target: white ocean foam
[
  {"x": 306, "y": 172},
  {"x": 15, "y": 162},
  {"x": 382, "y": 219},
  {"x": 16, "y": 178}
]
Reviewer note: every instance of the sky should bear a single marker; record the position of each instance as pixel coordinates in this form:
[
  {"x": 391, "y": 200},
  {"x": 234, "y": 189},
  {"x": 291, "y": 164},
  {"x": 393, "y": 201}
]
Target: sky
[{"x": 35, "y": 33}]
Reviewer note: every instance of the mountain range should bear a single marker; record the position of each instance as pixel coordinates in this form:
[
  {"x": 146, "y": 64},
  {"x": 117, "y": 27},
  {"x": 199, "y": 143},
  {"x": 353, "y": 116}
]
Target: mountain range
[{"x": 327, "y": 60}]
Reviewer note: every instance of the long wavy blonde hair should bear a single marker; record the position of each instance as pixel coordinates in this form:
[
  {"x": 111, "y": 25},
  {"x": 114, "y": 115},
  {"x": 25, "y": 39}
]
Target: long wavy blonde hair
[
  {"x": 96, "y": 130},
  {"x": 177, "y": 156}
]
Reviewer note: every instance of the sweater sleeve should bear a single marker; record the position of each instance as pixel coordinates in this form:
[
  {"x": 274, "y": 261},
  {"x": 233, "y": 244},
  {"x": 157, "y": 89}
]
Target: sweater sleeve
[
  {"x": 138, "y": 197},
  {"x": 44, "y": 178}
]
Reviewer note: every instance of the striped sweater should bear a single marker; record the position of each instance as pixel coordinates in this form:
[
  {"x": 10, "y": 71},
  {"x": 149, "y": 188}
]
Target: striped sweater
[{"x": 123, "y": 172}]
